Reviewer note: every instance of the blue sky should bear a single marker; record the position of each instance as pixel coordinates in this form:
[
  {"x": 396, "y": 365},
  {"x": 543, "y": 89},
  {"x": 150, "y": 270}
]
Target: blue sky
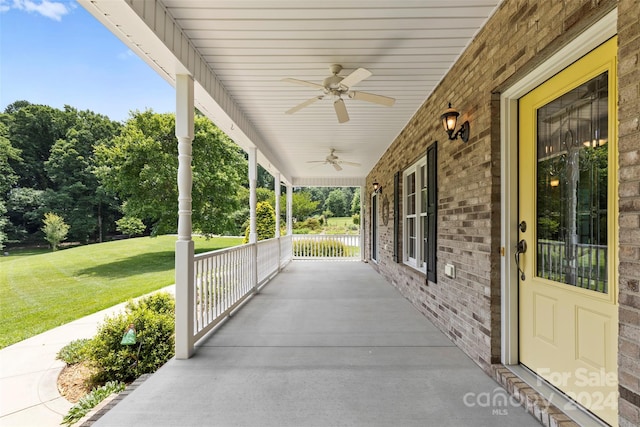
[{"x": 53, "y": 52}]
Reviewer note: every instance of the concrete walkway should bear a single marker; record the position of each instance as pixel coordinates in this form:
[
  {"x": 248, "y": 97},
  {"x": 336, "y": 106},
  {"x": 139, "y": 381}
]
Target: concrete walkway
[
  {"x": 324, "y": 344},
  {"x": 29, "y": 372}
]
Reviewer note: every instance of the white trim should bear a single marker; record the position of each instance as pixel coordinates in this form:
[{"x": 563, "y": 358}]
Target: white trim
[
  {"x": 591, "y": 38},
  {"x": 418, "y": 262}
]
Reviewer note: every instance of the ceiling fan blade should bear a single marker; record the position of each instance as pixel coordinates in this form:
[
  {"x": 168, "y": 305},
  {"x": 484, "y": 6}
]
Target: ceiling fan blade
[
  {"x": 303, "y": 83},
  {"x": 316, "y": 161},
  {"x": 350, "y": 163},
  {"x": 370, "y": 97},
  {"x": 336, "y": 167},
  {"x": 304, "y": 104},
  {"x": 355, "y": 77},
  {"x": 341, "y": 111}
]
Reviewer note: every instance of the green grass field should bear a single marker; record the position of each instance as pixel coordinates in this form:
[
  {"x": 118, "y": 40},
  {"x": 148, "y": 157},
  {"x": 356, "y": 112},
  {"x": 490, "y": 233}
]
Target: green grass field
[
  {"x": 41, "y": 290},
  {"x": 341, "y": 225}
]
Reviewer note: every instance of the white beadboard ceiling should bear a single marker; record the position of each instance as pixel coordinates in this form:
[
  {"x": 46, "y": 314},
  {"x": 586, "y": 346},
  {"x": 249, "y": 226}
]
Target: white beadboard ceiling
[{"x": 241, "y": 50}]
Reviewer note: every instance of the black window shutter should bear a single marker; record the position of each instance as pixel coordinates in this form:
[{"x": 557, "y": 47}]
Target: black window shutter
[
  {"x": 432, "y": 210},
  {"x": 396, "y": 217}
]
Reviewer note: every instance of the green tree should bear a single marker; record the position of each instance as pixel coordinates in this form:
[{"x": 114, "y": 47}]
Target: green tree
[
  {"x": 303, "y": 206},
  {"x": 56, "y": 163},
  {"x": 355, "y": 203},
  {"x": 33, "y": 129},
  {"x": 265, "y": 222},
  {"x": 7, "y": 177},
  {"x": 55, "y": 230},
  {"x": 131, "y": 226},
  {"x": 264, "y": 178},
  {"x": 337, "y": 203},
  {"x": 25, "y": 209},
  {"x": 76, "y": 192},
  {"x": 141, "y": 165}
]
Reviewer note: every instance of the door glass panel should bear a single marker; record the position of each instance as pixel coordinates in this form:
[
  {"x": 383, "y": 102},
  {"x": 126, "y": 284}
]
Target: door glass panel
[{"x": 572, "y": 178}]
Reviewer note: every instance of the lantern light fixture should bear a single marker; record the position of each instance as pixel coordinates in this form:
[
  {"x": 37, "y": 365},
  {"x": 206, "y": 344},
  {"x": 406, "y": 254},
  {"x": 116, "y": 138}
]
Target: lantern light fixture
[
  {"x": 377, "y": 188},
  {"x": 449, "y": 120}
]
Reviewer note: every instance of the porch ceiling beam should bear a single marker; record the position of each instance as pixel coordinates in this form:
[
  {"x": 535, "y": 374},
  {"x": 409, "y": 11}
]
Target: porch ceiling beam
[{"x": 149, "y": 30}]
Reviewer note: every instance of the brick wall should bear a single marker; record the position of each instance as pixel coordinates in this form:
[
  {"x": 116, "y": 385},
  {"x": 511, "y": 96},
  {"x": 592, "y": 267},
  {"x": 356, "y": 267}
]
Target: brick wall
[
  {"x": 521, "y": 35},
  {"x": 629, "y": 191}
]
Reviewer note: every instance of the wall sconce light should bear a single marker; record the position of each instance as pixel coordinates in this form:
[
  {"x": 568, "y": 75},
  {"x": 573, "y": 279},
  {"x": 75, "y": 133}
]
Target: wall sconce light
[
  {"x": 377, "y": 188},
  {"x": 449, "y": 119}
]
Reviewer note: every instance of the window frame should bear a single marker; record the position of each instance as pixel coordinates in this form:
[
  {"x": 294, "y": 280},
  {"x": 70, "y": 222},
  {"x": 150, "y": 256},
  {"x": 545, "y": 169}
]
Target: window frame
[{"x": 425, "y": 213}]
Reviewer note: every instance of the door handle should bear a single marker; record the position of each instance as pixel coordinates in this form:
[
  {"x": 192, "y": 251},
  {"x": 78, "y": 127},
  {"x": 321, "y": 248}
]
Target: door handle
[{"x": 521, "y": 248}]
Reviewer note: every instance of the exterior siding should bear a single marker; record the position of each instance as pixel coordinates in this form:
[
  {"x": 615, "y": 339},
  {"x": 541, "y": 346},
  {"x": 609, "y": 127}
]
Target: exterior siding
[
  {"x": 520, "y": 35},
  {"x": 629, "y": 193}
]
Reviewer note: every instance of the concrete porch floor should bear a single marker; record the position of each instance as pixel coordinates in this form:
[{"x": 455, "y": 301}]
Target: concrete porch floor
[{"x": 323, "y": 344}]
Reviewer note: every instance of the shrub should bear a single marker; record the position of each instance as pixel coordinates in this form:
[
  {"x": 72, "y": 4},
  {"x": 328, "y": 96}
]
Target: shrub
[
  {"x": 314, "y": 248},
  {"x": 74, "y": 352},
  {"x": 90, "y": 400},
  {"x": 356, "y": 219},
  {"x": 131, "y": 226},
  {"x": 301, "y": 231},
  {"x": 153, "y": 318},
  {"x": 313, "y": 224},
  {"x": 265, "y": 222}
]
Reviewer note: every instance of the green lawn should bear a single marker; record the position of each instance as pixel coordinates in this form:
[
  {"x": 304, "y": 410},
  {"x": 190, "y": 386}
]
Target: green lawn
[
  {"x": 39, "y": 291},
  {"x": 341, "y": 225}
]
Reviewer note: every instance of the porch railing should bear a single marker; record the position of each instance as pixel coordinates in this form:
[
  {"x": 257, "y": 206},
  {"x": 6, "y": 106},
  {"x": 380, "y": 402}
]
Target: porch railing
[
  {"x": 589, "y": 269},
  {"x": 326, "y": 246},
  {"x": 223, "y": 279}
]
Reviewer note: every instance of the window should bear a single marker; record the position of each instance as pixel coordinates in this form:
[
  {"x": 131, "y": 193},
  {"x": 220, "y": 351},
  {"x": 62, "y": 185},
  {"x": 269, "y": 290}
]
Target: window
[{"x": 419, "y": 214}]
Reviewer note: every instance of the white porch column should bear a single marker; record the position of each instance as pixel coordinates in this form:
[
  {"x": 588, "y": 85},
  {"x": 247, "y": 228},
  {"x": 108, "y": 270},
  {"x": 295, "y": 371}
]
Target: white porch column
[
  {"x": 289, "y": 209},
  {"x": 363, "y": 197},
  {"x": 253, "y": 175},
  {"x": 184, "y": 244},
  {"x": 253, "y": 235},
  {"x": 276, "y": 189}
]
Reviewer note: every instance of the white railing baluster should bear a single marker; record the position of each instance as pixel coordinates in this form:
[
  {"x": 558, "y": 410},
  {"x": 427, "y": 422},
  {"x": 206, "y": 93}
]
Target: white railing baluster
[
  {"x": 321, "y": 246},
  {"x": 590, "y": 271}
]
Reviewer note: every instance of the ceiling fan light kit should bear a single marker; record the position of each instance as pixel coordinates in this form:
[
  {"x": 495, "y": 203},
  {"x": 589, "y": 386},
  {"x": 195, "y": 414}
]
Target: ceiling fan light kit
[{"x": 336, "y": 86}]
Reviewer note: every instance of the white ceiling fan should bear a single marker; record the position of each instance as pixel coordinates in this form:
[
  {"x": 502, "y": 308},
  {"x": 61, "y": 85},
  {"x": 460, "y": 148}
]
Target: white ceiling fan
[
  {"x": 334, "y": 161},
  {"x": 335, "y": 86}
]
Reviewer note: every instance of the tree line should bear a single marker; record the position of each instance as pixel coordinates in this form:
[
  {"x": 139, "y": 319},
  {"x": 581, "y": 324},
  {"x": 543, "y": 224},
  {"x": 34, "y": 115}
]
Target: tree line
[{"x": 103, "y": 177}]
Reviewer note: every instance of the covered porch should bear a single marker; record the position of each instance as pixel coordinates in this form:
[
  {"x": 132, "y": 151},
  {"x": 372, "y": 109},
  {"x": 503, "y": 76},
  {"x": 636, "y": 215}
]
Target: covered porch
[
  {"x": 323, "y": 344},
  {"x": 440, "y": 215}
]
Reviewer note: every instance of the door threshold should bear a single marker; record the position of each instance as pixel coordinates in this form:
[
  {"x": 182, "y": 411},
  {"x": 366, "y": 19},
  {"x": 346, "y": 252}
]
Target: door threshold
[{"x": 557, "y": 398}]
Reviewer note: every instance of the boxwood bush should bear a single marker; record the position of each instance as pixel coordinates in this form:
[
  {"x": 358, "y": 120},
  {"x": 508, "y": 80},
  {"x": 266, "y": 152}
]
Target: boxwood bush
[{"x": 153, "y": 318}]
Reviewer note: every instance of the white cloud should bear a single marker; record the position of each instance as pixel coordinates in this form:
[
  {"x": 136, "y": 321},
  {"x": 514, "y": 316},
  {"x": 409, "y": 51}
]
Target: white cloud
[
  {"x": 126, "y": 54},
  {"x": 51, "y": 9}
]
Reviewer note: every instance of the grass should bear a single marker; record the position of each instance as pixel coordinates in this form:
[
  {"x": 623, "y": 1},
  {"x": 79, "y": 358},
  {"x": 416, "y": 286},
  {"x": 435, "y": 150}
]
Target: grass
[
  {"x": 341, "y": 225},
  {"x": 340, "y": 221},
  {"x": 39, "y": 291}
]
